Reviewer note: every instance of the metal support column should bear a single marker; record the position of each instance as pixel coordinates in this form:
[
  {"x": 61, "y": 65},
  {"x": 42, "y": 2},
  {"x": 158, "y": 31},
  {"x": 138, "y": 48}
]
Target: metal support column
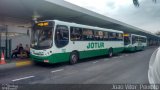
[
  {"x": 0, "y": 44},
  {"x": 6, "y": 46}
]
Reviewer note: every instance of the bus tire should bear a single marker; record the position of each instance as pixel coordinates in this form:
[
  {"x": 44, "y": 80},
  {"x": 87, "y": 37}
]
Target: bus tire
[
  {"x": 110, "y": 54},
  {"x": 143, "y": 48},
  {"x": 135, "y": 48},
  {"x": 73, "y": 58},
  {"x": 37, "y": 63}
]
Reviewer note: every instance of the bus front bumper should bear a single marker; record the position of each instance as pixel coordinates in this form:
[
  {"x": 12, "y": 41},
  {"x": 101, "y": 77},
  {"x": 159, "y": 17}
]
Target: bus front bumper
[{"x": 45, "y": 59}]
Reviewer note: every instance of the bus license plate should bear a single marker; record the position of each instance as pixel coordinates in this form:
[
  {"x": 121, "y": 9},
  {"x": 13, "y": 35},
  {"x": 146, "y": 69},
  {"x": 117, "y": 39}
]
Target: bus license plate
[{"x": 46, "y": 61}]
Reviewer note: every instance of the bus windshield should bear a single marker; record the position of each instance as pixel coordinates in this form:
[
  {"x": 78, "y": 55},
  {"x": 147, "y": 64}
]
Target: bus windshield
[
  {"x": 42, "y": 36},
  {"x": 126, "y": 40}
]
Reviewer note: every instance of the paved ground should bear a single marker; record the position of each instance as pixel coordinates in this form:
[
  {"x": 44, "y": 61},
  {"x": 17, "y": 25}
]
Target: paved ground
[{"x": 126, "y": 68}]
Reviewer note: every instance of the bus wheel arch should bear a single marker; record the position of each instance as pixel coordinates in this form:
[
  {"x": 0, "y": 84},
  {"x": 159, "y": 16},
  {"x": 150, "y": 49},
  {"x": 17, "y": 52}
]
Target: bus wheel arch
[
  {"x": 74, "y": 57},
  {"x": 143, "y": 47},
  {"x": 135, "y": 48},
  {"x": 110, "y": 52}
]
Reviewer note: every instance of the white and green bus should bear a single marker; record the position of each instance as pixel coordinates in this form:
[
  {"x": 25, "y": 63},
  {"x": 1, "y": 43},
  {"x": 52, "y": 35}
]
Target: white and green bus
[
  {"x": 55, "y": 41},
  {"x": 134, "y": 42}
]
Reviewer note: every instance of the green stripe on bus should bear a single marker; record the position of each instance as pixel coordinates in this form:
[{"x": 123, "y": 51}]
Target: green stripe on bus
[
  {"x": 133, "y": 48},
  {"x": 55, "y": 58},
  {"x": 64, "y": 57}
]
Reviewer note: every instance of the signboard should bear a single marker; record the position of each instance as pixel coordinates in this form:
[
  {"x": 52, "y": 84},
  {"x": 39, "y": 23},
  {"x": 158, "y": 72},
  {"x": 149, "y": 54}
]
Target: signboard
[
  {"x": 41, "y": 24},
  {"x": 125, "y": 35}
]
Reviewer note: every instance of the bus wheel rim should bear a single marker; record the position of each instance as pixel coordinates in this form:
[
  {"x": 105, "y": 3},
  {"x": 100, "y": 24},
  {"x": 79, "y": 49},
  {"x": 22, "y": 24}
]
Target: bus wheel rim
[
  {"x": 74, "y": 58},
  {"x": 110, "y": 54}
]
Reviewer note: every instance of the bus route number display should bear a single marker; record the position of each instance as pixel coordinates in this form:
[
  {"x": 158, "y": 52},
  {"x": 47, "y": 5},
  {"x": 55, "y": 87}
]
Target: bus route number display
[{"x": 42, "y": 24}]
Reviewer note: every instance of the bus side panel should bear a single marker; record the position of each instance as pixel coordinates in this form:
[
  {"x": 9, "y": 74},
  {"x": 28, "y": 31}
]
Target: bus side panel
[
  {"x": 84, "y": 52},
  {"x": 139, "y": 47},
  {"x": 92, "y": 53},
  {"x": 135, "y": 47},
  {"x": 118, "y": 50},
  {"x": 61, "y": 57},
  {"x": 130, "y": 49}
]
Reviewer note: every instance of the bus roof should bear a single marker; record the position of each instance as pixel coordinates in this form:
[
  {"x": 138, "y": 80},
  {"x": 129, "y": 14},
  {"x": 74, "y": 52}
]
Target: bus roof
[
  {"x": 86, "y": 26},
  {"x": 139, "y": 35}
]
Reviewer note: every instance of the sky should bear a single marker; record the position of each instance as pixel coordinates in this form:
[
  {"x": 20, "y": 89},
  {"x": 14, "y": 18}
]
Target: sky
[{"x": 146, "y": 17}]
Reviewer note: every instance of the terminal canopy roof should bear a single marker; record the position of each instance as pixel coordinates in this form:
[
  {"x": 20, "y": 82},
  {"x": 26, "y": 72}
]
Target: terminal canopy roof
[{"x": 61, "y": 10}]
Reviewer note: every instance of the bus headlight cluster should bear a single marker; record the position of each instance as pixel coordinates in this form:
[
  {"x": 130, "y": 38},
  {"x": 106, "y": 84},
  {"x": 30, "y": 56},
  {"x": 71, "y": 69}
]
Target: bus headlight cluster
[{"x": 48, "y": 53}]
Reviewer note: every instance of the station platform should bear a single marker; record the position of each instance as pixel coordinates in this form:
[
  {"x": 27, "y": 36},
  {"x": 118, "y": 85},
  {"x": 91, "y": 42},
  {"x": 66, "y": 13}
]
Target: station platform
[{"x": 15, "y": 63}]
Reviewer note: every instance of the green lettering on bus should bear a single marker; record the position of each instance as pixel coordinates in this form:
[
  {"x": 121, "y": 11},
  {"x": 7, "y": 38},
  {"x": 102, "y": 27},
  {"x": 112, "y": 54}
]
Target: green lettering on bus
[
  {"x": 96, "y": 45},
  {"x": 92, "y": 45}
]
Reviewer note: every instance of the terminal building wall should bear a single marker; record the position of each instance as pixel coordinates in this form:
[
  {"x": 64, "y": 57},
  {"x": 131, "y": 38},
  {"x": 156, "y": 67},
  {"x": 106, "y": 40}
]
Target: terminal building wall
[
  {"x": 20, "y": 39},
  {"x": 18, "y": 26}
]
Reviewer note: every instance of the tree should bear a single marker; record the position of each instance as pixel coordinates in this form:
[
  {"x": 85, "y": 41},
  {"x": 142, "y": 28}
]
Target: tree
[{"x": 136, "y": 2}]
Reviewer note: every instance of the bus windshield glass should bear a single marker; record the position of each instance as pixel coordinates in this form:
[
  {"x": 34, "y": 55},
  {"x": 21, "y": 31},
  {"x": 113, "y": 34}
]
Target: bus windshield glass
[
  {"x": 126, "y": 40},
  {"x": 42, "y": 35}
]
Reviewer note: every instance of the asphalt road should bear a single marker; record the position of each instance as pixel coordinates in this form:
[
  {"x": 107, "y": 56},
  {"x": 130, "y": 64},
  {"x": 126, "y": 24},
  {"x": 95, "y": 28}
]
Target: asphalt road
[{"x": 125, "y": 68}]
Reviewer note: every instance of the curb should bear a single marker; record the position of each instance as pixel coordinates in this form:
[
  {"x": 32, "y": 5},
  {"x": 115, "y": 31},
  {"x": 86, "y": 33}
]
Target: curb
[
  {"x": 16, "y": 64},
  {"x": 23, "y": 63}
]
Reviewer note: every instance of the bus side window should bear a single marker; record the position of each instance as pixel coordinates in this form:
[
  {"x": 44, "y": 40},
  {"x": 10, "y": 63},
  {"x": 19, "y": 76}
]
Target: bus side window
[
  {"x": 76, "y": 33},
  {"x": 112, "y": 36},
  {"x": 106, "y": 36},
  {"x": 109, "y": 36},
  {"x": 119, "y": 36},
  {"x": 140, "y": 39},
  {"x": 137, "y": 39},
  {"x": 144, "y": 40},
  {"x": 98, "y": 35},
  {"x": 134, "y": 39},
  {"x": 61, "y": 36},
  {"x": 101, "y": 35},
  {"x": 88, "y": 34}
]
